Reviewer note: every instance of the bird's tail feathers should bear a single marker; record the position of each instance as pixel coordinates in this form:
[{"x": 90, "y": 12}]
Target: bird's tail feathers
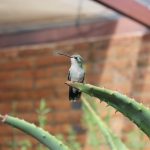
[{"x": 74, "y": 94}]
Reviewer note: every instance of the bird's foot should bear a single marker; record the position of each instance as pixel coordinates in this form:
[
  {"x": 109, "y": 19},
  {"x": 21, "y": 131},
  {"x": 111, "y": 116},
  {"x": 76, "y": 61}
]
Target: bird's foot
[{"x": 73, "y": 100}]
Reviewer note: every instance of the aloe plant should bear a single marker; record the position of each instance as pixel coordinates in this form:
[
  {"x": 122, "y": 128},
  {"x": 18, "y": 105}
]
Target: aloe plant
[
  {"x": 113, "y": 141},
  {"x": 38, "y": 133},
  {"x": 136, "y": 112}
]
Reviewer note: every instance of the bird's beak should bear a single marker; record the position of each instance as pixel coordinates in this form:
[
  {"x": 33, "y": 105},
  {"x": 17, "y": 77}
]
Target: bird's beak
[{"x": 65, "y": 55}]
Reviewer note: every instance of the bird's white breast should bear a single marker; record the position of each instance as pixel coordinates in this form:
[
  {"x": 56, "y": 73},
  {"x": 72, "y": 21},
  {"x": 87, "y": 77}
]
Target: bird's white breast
[{"x": 76, "y": 73}]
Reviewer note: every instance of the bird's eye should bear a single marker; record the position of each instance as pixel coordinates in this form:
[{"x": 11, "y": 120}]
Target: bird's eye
[{"x": 75, "y": 57}]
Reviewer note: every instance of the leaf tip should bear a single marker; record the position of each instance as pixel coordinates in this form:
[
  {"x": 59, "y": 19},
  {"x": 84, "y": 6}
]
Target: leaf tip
[{"x": 3, "y": 117}]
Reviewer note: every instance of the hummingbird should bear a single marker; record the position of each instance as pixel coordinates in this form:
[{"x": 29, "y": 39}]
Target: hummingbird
[{"x": 76, "y": 74}]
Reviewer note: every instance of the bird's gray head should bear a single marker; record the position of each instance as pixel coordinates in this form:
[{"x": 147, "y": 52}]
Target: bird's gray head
[{"x": 75, "y": 59}]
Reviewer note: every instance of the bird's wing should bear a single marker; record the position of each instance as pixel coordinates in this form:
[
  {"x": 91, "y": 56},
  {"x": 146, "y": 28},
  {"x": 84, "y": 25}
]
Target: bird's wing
[
  {"x": 69, "y": 78},
  {"x": 83, "y": 78}
]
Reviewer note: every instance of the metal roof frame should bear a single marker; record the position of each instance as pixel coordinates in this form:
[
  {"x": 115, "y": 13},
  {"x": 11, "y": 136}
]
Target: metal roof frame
[{"x": 130, "y": 9}]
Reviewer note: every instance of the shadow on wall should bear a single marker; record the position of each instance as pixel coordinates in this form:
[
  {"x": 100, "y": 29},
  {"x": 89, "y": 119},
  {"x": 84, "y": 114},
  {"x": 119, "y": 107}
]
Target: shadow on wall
[
  {"x": 97, "y": 52},
  {"x": 141, "y": 80}
]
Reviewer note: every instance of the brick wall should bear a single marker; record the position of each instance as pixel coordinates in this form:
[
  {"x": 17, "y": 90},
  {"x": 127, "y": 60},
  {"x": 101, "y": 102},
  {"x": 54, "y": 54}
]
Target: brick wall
[{"x": 30, "y": 73}]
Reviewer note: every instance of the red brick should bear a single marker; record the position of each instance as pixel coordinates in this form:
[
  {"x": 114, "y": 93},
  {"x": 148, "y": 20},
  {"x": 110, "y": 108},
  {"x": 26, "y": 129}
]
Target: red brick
[
  {"x": 52, "y": 83},
  {"x": 5, "y": 138},
  {"x": 62, "y": 92},
  {"x": 54, "y": 104},
  {"x": 142, "y": 97},
  {"x": 16, "y": 106},
  {"x": 27, "y": 95},
  {"x": 128, "y": 127},
  {"x": 65, "y": 116},
  {"x": 64, "y": 47},
  {"x": 28, "y": 116},
  {"x": 42, "y": 93},
  {"x": 17, "y": 64},
  {"x": 16, "y": 74},
  {"x": 142, "y": 87},
  {"x": 16, "y": 85},
  {"x": 24, "y": 106},
  {"x": 58, "y": 129},
  {"x": 83, "y": 46},
  {"x": 122, "y": 63},
  {"x": 125, "y": 40},
  {"x": 143, "y": 60},
  {"x": 43, "y": 83},
  {"x": 121, "y": 87},
  {"x": 100, "y": 44},
  {"x": 146, "y": 38},
  {"x": 5, "y": 130},
  {"x": 7, "y": 75},
  {"x": 21, "y": 136},
  {"x": 99, "y": 55},
  {"x": 16, "y": 95},
  {"x": 34, "y": 52},
  {"x": 106, "y": 77},
  {"x": 81, "y": 138},
  {"x": 124, "y": 51},
  {"x": 61, "y": 70},
  {"x": 6, "y": 107},
  {"x": 146, "y": 46},
  {"x": 50, "y": 60},
  {"x": 147, "y": 79},
  {"x": 8, "y": 54},
  {"x": 143, "y": 73},
  {"x": 25, "y": 74},
  {"x": 43, "y": 72},
  {"x": 59, "y": 81},
  {"x": 142, "y": 76},
  {"x": 92, "y": 78}
]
